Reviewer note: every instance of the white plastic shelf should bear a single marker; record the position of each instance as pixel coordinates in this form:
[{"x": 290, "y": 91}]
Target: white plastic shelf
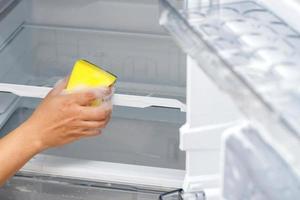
[
  {"x": 135, "y": 101},
  {"x": 34, "y": 57},
  {"x": 252, "y": 54},
  {"x": 38, "y": 55}
]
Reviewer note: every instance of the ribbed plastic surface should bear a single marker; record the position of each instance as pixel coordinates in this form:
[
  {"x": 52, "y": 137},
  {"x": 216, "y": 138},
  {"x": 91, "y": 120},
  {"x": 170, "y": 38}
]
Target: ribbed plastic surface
[
  {"x": 254, "y": 170},
  {"x": 253, "y": 55}
]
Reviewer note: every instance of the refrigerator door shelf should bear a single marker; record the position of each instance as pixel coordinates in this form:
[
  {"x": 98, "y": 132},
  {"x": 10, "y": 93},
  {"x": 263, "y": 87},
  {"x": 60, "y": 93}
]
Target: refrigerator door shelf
[
  {"x": 235, "y": 42},
  {"x": 253, "y": 169}
]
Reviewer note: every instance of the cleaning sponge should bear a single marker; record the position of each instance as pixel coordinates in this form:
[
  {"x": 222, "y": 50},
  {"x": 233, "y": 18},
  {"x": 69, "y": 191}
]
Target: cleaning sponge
[{"x": 88, "y": 75}]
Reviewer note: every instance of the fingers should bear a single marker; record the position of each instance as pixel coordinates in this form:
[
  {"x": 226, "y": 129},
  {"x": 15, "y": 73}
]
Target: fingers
[
  {"x": 59, "y": 87},
  {"x": 85, "y": 98},
  {"x": 86, "y": 133},
  {"x": 91, "y": 132},
  {"x": 94, "y": 113},
  {"x": 94, "y": 124}
]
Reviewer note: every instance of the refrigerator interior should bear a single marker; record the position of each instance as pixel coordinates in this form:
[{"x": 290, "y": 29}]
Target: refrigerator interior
[{"x": 42, "y": 41}]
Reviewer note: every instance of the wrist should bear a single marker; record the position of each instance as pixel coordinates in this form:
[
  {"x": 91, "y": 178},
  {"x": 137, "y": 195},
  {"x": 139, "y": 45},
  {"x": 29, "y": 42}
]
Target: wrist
[{"x": 31, "y": 136}]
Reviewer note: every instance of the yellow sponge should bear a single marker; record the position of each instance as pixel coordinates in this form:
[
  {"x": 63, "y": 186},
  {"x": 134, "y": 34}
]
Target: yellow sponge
[{"x": 88, "y": 75}]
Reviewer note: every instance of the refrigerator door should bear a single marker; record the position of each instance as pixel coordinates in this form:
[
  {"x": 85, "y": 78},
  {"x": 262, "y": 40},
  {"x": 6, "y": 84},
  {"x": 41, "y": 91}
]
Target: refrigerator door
[
  {"x": 250, "y": 49},
  {"x": 253, "y": 169}
]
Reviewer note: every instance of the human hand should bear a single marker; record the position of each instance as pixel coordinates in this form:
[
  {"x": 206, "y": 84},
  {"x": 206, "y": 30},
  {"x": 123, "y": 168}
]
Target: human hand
[{"x": 63, "y": 118}]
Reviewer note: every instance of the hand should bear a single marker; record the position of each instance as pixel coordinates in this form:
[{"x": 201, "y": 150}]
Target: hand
[{"x": 63, "y": 118}]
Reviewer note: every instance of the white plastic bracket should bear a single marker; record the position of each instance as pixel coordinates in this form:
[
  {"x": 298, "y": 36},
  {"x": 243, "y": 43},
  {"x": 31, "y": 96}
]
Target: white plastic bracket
[
  {"x": 198, "y": 138},
  {"x": 118, "y": 99},
  {"x": 197, "y": 142}
]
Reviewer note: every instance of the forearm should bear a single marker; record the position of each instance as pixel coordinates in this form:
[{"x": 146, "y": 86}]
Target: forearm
[
  {"x": 58, "y": 120},
  {"x": 15, "y": 150}
]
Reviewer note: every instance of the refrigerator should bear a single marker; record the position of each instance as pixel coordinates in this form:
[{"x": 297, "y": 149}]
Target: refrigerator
[{"x": 206, "y": 105}]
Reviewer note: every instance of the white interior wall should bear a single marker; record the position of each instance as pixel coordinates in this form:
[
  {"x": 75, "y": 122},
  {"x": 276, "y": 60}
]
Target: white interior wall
[{"x": 120, "y": 15}]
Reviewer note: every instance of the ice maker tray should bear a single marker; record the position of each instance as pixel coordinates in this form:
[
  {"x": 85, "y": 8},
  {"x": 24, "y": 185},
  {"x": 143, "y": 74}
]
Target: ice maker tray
[{"x": 252, "y": 54}]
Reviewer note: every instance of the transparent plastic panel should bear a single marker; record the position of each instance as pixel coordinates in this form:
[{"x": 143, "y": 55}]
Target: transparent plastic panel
[
  {"x": 256, "y": 46},
  {"x": 122, "y": 15},
  {"x": 252, "y": 54},
  {"x": 254, "y": 170},
  {"x": 145, "y": 63},
  {"x": 33, "y": 188}
]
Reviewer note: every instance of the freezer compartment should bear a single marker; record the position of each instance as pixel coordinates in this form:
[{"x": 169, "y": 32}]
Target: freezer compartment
[
  {"x": 148, "y": 137},
  {"x": 252, "y": 54},
  {"x": 35, "y": 187}
]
